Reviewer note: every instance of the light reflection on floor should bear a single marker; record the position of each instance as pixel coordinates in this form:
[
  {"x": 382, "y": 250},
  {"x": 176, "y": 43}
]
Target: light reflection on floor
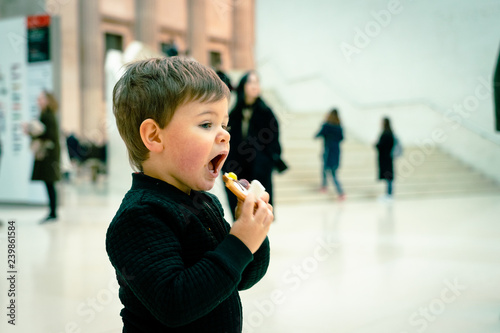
[{"x": 416, "y": 265}]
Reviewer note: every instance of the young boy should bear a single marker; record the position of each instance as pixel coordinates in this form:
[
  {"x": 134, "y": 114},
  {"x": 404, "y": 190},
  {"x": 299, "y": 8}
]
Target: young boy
[{"x": 179, "y": 264}]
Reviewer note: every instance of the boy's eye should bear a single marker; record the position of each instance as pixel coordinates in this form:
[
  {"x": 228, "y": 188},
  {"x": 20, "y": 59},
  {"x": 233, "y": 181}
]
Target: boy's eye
[
  {"x": 206, "y": 125},
  {"x": 226, "y": 128}
]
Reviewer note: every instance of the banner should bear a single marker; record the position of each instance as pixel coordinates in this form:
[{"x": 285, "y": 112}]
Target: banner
[{"x": 25, "y": 70}]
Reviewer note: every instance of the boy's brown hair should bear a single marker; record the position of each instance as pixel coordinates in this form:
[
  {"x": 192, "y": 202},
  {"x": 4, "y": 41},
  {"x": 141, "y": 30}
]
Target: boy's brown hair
[{"x": 155, "y": 88}]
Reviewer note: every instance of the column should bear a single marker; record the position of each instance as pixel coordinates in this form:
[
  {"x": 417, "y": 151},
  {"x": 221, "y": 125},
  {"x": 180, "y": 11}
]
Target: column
[
  {"x": 197, "y": 38},
  {"x": 243, "y": 34},
  {"x": 146, "y": 24},
  {"x": 92, "y": 70},
  {"x": 70, "y": 102}
]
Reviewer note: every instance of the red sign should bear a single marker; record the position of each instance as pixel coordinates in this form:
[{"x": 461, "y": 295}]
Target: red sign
[{"x": 38, "y": 21}]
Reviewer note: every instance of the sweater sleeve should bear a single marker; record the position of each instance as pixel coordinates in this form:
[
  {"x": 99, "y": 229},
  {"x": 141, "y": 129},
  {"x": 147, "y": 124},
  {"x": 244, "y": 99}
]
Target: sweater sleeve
[
  {"x": 320, "y": 132},
  {"x": 256, "y": 270},
  {"x": 147, "y": 256}
]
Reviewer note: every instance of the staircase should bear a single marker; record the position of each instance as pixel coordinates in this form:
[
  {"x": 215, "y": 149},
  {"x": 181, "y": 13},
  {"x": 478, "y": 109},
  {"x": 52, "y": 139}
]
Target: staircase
[{"x": 418, "y": 172}]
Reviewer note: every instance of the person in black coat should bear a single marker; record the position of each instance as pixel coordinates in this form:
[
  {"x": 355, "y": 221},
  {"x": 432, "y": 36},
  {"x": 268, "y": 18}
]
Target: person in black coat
[
  {"x": 385, "y": 161},
  {"x": 332, "y": 135},
  {"x": 219, "y": 71},
  {"x": 496, "y": 89},
  {"x": 255, "y": 148},
  {"x": 46, "y": 147}
]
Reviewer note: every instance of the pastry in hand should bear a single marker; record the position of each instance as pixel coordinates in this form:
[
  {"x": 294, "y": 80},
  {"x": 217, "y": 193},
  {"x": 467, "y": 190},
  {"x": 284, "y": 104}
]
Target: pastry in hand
[{"x": 241, "y": 188}]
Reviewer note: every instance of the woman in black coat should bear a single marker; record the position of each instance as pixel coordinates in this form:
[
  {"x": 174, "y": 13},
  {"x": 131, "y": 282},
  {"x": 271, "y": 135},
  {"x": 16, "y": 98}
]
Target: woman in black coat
[
  {"x": 385, "y": 160},
  {"x": 496, "y": 89},
  {"x": 46, "y": 147},
  {"x": 255, "y": 147}
]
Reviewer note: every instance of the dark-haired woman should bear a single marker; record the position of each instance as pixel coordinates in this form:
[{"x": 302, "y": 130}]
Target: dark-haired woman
[
  {"x": 385, "y": 161},
  {"x": 331, "y": 132},
  {"x": 255, "y": 148},
  {"x": 45, "y": 144}
]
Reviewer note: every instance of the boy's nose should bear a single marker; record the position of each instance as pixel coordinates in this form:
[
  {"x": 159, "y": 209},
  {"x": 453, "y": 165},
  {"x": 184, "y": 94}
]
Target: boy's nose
[{"x": 223, "y": 137}]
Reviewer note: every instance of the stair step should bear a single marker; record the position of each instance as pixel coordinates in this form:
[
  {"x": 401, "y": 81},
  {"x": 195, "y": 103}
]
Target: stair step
[
  {"x": 320, "y": 197},
  {"x": 421, "y": 171},
  {"x": 407, "y": 182},
  {"x": 296, "y": 171}
]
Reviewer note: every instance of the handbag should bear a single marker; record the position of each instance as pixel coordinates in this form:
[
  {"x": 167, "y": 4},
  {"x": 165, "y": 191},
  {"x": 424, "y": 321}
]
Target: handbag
[
  {"x": 40, "y": 148},
  {"x": 397, "y": 149}
]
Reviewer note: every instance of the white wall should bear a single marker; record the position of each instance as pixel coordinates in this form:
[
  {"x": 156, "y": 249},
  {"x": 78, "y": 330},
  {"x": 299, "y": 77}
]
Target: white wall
[{"x": 426, "y": 64}]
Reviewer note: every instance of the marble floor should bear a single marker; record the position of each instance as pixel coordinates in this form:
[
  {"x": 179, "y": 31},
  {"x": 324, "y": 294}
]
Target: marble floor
[{"x": 360, "y": 266}]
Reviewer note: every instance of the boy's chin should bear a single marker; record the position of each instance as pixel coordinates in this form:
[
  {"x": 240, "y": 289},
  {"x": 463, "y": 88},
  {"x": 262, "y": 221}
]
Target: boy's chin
[{"x": 206, "y": 186}]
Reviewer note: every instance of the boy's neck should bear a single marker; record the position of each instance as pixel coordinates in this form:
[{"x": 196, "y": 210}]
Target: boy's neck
[{"x": 150, "y": 170}]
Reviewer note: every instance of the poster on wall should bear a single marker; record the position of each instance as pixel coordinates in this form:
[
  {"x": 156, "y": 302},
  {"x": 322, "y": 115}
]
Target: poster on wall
[{"x": 25, "y": 70}]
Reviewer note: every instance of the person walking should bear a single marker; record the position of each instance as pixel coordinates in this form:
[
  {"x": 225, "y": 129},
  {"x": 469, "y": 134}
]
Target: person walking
[
  {"x": 332, "y": 134},
  {"x": 384, "y": 147},
  {"x": 222, "y": 75},
  {"x": 496, "y": 92},
  {"x": 46, "y": 147},
  {"x": 255, "y": 147}
]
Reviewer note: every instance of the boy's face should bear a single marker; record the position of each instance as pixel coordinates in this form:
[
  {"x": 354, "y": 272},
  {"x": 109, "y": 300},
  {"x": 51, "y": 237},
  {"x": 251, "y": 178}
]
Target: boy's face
[{"x": 196, "y": 145}]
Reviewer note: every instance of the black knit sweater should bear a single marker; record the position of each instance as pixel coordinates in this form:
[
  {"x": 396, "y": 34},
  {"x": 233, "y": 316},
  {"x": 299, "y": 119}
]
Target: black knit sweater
[{"x": 178, "y": 268}]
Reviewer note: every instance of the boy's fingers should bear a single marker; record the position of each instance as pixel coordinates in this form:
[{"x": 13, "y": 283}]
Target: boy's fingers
[
  {"x": 262, "y": 212},
  {"x": 248, "y": 205},
  {"x": 265, "y": 197}
]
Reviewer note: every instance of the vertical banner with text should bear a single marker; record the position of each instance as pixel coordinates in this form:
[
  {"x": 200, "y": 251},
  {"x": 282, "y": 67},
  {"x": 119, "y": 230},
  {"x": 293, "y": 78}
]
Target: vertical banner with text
[{"x": 25, "y": 70}]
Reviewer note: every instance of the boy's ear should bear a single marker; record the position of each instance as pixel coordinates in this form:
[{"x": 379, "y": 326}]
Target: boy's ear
[{"x": 151, "y": 136}]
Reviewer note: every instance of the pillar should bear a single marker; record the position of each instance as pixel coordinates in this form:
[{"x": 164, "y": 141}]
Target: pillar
[
  {"x": 92, "y": 70},
  {"x": 70, "y": 102},
  {"x": 243, "y": 34},
  {"x": 197, "y": 37},
  {"x": 146, "y": 29}
]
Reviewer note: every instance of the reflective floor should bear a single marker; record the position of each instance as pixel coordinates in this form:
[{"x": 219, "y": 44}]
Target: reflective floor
[{"x": 413, "y": 265}]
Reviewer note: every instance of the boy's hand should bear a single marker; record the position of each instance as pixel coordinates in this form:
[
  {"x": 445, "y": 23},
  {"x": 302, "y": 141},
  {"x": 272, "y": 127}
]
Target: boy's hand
[{"x": 254, "y": 221}]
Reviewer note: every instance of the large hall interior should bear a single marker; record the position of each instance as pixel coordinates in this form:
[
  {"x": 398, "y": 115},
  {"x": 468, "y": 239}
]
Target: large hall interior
[{"x": 424, "y": 259}]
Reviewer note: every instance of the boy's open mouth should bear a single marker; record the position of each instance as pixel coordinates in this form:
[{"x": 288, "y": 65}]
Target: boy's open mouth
[{"x": 215, "y": 163}]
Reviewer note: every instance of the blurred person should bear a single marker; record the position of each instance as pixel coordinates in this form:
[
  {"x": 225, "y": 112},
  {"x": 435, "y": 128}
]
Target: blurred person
[
  {"x": 255, "y": 147},
  {"x": 45, "y": 145},
  {"x": 222, "y": 75},
  {"x": 384, "y": 147},
  {"x": 496, "y": 91},
  {"x": 171, "y": 49},
  {"x": 77, "y": 152},
  {"x": 332, "y": 134}
]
